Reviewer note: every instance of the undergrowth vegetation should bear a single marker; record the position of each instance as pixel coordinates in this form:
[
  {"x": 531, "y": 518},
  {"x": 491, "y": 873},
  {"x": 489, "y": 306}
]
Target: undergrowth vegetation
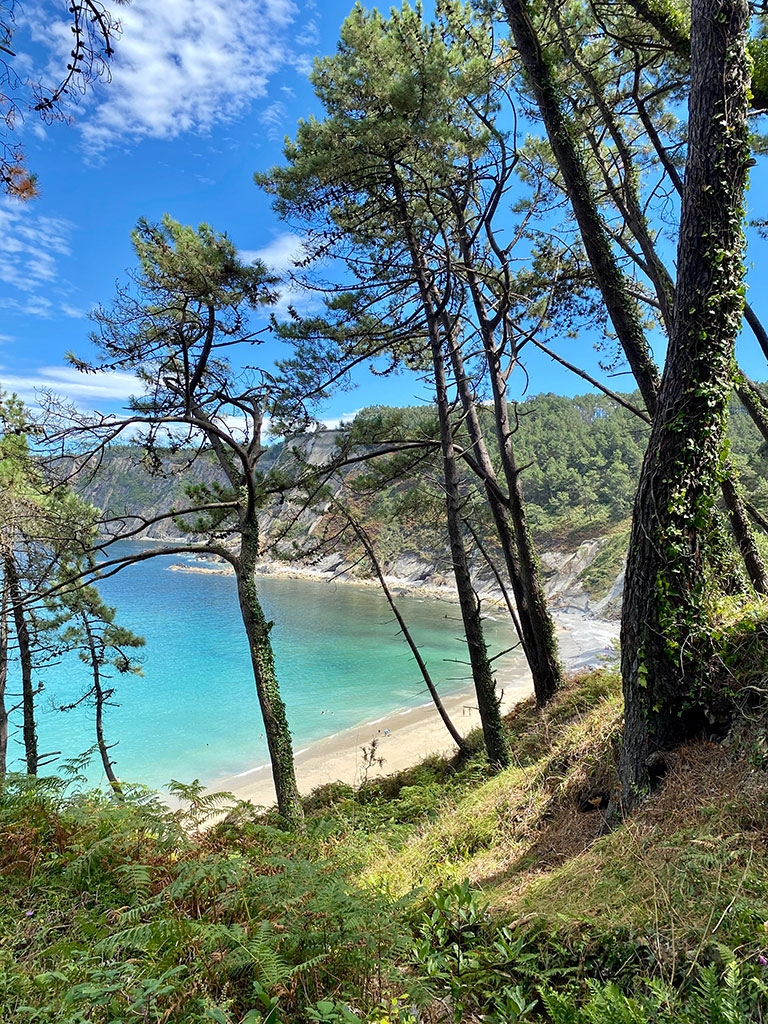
[{"x": 441, "y": 894}]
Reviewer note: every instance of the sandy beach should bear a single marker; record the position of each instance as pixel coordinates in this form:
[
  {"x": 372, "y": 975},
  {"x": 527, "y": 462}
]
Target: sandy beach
[{"x": 406, "y": 737}]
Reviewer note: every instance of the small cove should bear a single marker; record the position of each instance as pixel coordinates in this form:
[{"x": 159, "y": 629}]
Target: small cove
[{"x": 194, "y": 714}]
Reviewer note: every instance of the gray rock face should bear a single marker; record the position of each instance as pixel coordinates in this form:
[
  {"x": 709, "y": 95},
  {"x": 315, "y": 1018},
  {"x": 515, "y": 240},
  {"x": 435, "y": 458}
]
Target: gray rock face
[{"x": 565, "y": 588}]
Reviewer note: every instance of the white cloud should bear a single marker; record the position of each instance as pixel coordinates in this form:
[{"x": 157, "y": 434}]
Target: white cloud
[
  {"x": 239, "y": 427},
  {"x": 70, "y": 383},
  {"x": 73, "y": 311},
  {"x": 310, "y": 34},
  {"x": 30, "y": 261},
  {"x": 281, "y": 254},
  {"x": 335, "y": 422},
  {"x": 273, "y": 117},
  {"x": 32, "y": 244},
  {"x": 183, "y": 65}
]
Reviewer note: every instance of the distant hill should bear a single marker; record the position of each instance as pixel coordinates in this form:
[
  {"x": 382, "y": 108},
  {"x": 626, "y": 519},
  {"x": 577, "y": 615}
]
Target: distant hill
[{"x": 582, "y": 457}]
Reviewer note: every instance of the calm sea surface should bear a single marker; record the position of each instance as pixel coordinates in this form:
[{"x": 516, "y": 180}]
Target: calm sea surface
[{"x": 194, "y": 714}]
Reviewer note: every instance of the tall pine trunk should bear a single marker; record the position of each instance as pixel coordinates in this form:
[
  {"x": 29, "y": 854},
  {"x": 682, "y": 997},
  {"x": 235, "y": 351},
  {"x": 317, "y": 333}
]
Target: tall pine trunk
[
  {"x": 482, "y": 674},
  {"x": 539, "y": 637},
  {"x": 25, "y": 660},
  {"x": 536, "y": 626},
  {"x": 276, "y": 729},
  {"x": 664, "y": 627},
  {"x": 99, "y": 700},
  {"x": 3, "y": 679},
  {"x": 610, "y": 279}
]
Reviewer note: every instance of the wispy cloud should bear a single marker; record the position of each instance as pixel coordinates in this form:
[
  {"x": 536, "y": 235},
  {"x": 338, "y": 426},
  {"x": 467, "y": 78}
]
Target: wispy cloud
[
  {"x": 33, "y": 249},
  {"x": 70, "y": 383},
  {"x": 336, "y": 421},
  {"x": 273, "y": 118},
  {"x": 280, "y": 256},
  {"x": 181, "y": 66},
  {"x": 32, "y": 245}
]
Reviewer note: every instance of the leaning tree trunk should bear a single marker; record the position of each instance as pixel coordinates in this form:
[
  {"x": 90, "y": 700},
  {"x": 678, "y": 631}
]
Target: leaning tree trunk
[
  {"x": 365, "y": 540},
  {"x": 628, "y": 201},
  {"x": 742, "y": 531},
  {"x": 3, "y": 680},
  {"x": 485, "y": 684},
  {"x": 25, "y": 660},
  {"x": 537, "y": 628},
  {"x": 610, "y": 279},
  {"x": 540, "y": 639},
  {"x": 664, "y": 627},
  {"x": 100, "y": 698},
  {"x": 257, "y": 629},
  {"x": 482, "y": 675}
]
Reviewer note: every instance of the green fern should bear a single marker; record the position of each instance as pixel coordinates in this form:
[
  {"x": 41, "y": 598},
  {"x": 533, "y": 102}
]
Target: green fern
[
  {"x": 560, "y": 1007},
  {"x": 609, "y": 1005},
  {"x": 720, "y": 1000},
  {"x": 136, "y": 878},
  {"x": 156, "y": 936}
]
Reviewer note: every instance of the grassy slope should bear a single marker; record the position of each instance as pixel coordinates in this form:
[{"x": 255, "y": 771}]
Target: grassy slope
[{"x": 118, "y": 914}]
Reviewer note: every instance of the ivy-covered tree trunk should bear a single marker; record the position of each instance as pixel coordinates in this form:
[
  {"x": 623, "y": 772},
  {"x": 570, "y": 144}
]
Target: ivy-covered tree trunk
[
  {"x": 25, "y": 660},
  {"x": 664, "y": 617},
  {"x": 276, "y": 729}
]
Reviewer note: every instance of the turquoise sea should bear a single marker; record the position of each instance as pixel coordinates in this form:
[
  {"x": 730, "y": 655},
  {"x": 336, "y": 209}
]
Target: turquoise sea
[{"x": 194, "y": 714}]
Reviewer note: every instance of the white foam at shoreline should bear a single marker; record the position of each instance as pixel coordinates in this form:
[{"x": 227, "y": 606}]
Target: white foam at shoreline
[{"x": 251, "y": 771}]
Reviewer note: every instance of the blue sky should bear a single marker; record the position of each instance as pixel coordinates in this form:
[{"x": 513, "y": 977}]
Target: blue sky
[{"x": 201, "y": 96}]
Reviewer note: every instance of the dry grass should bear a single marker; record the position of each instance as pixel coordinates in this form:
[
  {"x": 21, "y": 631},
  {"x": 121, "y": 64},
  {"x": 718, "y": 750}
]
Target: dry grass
[{"x": 689, "y": 871}]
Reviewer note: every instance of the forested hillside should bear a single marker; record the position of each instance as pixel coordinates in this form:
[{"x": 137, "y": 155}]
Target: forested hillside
[{"x": 582, "y": 456}]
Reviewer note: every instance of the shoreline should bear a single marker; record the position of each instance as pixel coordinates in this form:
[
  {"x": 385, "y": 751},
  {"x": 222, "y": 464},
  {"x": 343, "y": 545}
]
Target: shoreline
[
  {"x": 400, "y": 587},
  {"x": 405, "y": 736}
]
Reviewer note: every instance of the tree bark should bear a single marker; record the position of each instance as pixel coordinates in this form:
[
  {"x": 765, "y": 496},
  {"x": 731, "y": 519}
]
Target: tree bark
[
  {"x": 664, "y": 628},
  {"x": 753, "y": 401},
  {"x": 99, "y": 701},
  {"x": 537, "y": 628},
  {"x": 485, "y": 685},
  {"x": 482, "y": 675},
  {"x": 742, "y": 532},
  {"x": 276, "y": 729},
  {"x": 25, "y": 660},
  {"x": 608, "y": 275},
  {"x": 627, "y": 197},
  {"x": 671, "y": 29},
  {"x": 3, "y": 679},
  {"x": 612, "y": 283}
]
